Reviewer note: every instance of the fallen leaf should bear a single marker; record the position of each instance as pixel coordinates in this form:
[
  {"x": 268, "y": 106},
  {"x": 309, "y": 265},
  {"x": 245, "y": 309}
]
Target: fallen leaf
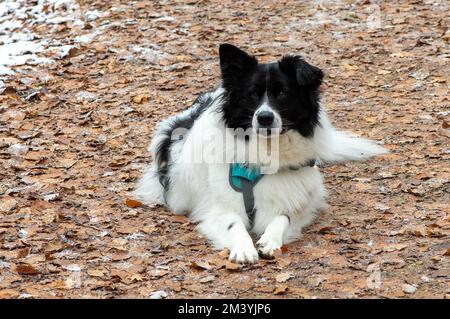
[
  {"x": 418, "y": 231},
  {"x": 280, "y": 290},
  {"x": 120, "y": 256},
  {"x": 394, "y": 247},
  {"x": 173, "y": 285},
  {"x": 23, "y": 252},
  {"x": 224, "y": 253},
  {"x": 207, "y": 279},
  {"x": 201, "y": 265},
  {"x": 9, "y": 294},
  {"x": 26, "y": 269},
  {"x": 283, "y": 277},
  {"x": 133, "y": 203},
  {"x": 140, "y": 98},
  {"x": 7, "y": 204},
  {"x": 96, "y": 273},
  {"x": 218, "y": 262},
  {"x": 326, "y": 230},
  {"x": 284, "y": 262},
  {"x": 229, "y": 265}
]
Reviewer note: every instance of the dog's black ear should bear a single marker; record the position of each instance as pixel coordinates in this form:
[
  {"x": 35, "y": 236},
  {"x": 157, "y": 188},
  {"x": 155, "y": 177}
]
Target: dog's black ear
[
  {"x": 305, "y": 73},
  {"x": 234, "y": 62}
]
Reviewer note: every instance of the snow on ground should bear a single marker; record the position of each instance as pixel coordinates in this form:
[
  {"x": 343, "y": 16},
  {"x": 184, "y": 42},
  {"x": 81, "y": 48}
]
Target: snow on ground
[{"x": 21, "y": 44}]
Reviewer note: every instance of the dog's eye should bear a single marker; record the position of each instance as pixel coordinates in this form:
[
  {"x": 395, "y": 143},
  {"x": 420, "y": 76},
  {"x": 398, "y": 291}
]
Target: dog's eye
[
  {"x": 281, "y": 94},
  {"x": 254, "y": 95}
]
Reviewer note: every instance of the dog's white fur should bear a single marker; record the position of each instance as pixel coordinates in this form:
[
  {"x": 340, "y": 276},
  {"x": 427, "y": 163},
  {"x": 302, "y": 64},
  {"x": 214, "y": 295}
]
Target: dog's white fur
[{"x": 203, "y": 189}]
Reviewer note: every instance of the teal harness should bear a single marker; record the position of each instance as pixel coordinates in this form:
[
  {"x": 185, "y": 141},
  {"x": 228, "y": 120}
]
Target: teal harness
[{"x": 243, "y": 179}]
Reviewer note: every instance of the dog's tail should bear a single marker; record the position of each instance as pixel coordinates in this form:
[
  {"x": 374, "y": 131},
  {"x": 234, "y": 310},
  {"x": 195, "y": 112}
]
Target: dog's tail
[
  {"x": 148, "y": 188},
  {"x": 332, "y": 145}
]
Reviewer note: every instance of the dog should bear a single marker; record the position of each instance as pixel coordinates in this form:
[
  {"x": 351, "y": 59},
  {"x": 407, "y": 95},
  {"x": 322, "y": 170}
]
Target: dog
[{"x": 272, "y": 109}]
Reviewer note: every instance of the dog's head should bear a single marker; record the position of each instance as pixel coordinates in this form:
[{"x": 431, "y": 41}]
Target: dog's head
[{"x": 269, "y": 98}]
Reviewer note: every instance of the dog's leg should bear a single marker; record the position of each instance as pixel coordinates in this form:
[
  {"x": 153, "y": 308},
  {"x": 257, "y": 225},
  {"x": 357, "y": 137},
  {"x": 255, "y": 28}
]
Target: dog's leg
[
  {"x": 228, "y": 230},
  {"x": 272, "y": 239}
]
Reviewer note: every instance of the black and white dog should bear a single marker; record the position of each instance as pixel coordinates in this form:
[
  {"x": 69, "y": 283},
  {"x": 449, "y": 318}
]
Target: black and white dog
[{"x": 208, "y": 160}]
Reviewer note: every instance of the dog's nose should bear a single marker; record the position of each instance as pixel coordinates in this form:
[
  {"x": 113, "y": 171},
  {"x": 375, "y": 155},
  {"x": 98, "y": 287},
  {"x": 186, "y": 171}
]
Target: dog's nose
[{"x": 265, "y": 118}]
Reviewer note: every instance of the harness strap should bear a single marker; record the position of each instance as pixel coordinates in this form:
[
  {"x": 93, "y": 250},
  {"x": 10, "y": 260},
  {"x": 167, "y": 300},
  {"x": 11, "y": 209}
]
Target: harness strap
[
  {"x": 243, "y": 179},
  {"x": 249, "y": 200}
]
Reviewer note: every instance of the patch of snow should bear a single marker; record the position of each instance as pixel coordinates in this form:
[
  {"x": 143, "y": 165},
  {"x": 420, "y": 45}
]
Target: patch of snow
[
  {"x": 10, "y": 25},
  {"x": 5, "y": 71},
  {"x": 137, "y": 235},
  {"x": 151, "y": 55},
  {"x": 72, "y": 267},
  {"x": 62, "y": 51},
  {"x": 51, "y": 197},
  {"x": 4, "y": 264},
  {"x": 20, "y": 45},
  {"x": 94, "y": 15},
  {"x": 18, "y": 149},
  {"x": 86, "y": 96},
  {"x": 93, "y": 220},
  {"x": 409, "y": 289},
  {"x": 166, "y": 19},
  {"x": 158, "y": 295},
  {"x": 23, "y": 233},
  {"x": 425, "y": 278},
  {"x": 86, "y": 38},
  {"x": 103, "y": 233}
]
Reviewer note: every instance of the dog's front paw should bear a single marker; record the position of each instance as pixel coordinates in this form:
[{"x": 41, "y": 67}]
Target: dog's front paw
[
  {"x": 244, "y": 255},
  {"x": 267, "y": 246}
]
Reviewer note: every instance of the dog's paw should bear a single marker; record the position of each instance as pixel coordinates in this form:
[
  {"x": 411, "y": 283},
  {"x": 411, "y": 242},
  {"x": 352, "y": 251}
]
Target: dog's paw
[
  {"x": 267, "y": 246},
  {"x": 244, "y": 255}
]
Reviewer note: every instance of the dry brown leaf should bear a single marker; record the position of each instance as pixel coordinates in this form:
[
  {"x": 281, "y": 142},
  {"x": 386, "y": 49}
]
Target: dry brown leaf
[
  {"x": 26, "y": 269},
  {"x": 201, "y": 265},
  {"x": 419, "y": 231},
  {"x": 282, "y": 38},
  {"x": 394, "y": 247},
  {"x": 132, "y": 203},
  {"x": 140, "y": 98},
  {"x": 179, "y": 219},
  {"x": 7, "y": 203},
  {"x": 229, "y": 265},
  {"x": 326, "y": 230},
  {"x": 173, "y": 285},
  {"x": 120, "y": 256},
  {"x": 124, "y": 229},
  {"x": 207, "y": 279},
  {"x": 9, "y": 294},
  {"x": 283, "y": 277},
  {"x": 23, "y": 252},
  {"x": 280, "y": 290},
  {"x": 96, "y": 272},
  {"x": 224, "y": 253},
  {"x": 219, "y": 262},
  {"x": 284, "y": 262}
]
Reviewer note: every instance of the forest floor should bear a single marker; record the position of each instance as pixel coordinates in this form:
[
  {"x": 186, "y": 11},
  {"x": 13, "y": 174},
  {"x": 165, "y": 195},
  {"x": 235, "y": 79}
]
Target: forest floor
[{"x": 83, "y": 85}]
